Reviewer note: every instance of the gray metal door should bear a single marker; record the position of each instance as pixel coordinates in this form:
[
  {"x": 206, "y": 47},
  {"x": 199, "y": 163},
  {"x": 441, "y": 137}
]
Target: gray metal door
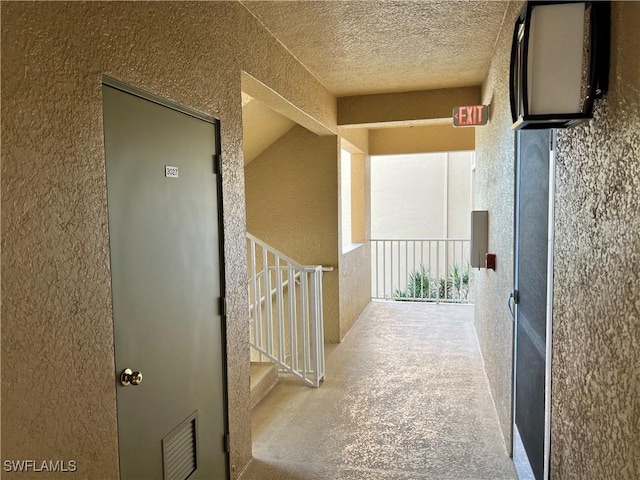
[
  {"x": 166, "y": 282},
  {"x": 533, "y": 149}
]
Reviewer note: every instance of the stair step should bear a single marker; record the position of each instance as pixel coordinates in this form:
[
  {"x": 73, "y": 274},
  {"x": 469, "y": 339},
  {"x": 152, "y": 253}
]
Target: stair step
[{"x": 264, "y": 375}]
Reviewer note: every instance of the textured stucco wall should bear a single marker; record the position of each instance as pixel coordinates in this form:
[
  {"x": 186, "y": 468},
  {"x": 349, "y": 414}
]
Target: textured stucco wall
[
  {"x": 292, "y": 204},
  {"x": 355, "y": 286},
  {"x": 58, "y": 389},
  {"x": 595, "y": 416},
  {"x": 493, "y": 190},
  {"x": 355, "y": 265},
  {"x": 596, "y": 325}
]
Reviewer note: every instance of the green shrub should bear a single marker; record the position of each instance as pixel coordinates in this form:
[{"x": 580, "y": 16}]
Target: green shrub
[
  {"x": 418, "y": 287},
  {"x": 422, "y": 287},
  {"x": 456, "y": 285}
]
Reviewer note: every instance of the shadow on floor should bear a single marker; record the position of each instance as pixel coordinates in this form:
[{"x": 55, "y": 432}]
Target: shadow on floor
[{"x": 405, "y": 398}]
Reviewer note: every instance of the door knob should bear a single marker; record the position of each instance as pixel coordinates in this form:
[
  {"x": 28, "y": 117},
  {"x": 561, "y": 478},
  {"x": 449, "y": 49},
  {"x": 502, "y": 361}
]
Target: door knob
[{"x": 127, "y": 377}]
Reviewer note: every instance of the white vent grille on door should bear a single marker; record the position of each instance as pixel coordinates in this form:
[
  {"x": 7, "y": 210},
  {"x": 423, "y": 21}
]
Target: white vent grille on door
[{"x": 179, "y": 450}]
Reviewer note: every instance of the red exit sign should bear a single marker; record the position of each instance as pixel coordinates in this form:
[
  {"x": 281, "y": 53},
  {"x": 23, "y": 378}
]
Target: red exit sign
[{"x": 470, "y": 116}]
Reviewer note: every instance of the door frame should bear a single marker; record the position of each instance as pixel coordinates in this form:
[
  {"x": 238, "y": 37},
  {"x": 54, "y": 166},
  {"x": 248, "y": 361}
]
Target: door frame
[
  {"x": 126, "y": 88},
  {"x": 549, "y": 302}
]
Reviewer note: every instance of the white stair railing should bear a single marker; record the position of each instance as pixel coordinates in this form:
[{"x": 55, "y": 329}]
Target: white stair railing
[{"x": 285, "y": 312}]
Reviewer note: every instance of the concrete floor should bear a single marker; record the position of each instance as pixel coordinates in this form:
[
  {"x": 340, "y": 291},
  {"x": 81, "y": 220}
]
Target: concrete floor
[{"x": 405, "y": 398}]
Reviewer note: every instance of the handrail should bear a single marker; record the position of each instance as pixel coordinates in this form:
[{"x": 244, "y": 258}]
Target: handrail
[
  {"x": 420, "y": 239},
  {"x": 264, "y": 245},
  {"x": 285, "y": 311},
  {"x": 286, "y": 282}
]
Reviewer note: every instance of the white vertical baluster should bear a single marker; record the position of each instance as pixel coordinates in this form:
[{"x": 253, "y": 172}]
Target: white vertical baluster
[
  {"x": 293, "y": 340},
  {"x": 422, "y": 263},
  {"x": 257, "y": 308},
  {"x": 384, "y": 269},
  {"x": 453, "y": 254},
  {"x": 315, "y": 366},
  {"x": 321, "y": 372},
  {"x": 391, "y": 267},
  {"x": 446, "y": 269},
  {"x": 460, "y": 271},
  {"x": 377, "y": 270},
  {"x": 406, "y": 263},
  {"x": 415, "y": 264},
  {"x": 280, "y": 310},
  {"x": 438, "y": 268},
  {"x": 305, "y": 322},
  {"x": 266, "y": 275},
  {"x": 259, "y": 323},
  {"x": 399, "y": 263}
]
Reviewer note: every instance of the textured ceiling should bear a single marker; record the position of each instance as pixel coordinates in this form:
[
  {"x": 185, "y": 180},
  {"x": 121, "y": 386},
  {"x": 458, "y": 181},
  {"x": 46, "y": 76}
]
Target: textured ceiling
[{"x": 368, "y": 46}]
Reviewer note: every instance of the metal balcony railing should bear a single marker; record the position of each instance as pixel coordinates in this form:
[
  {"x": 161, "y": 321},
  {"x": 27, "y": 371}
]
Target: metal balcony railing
[
  {"x": 421, "y": 269},
  {"x": 285, "y": 310}
]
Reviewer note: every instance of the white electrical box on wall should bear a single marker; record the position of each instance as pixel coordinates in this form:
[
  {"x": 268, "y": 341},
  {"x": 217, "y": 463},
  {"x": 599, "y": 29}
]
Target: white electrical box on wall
[{"x": 479, "y": 238}]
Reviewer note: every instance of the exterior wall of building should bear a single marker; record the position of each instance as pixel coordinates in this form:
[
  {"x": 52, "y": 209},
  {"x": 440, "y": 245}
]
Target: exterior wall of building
[
  {"x": 292, "y": 204},
  {"x": 422, "y": 195},
  {"x": 595, "y": 429},
  {"x": 459, "y": 194},
  {"x": 58, "y": 397},
  {"x": 596, "y": 384},
  {"x": 397, "y": 214}
]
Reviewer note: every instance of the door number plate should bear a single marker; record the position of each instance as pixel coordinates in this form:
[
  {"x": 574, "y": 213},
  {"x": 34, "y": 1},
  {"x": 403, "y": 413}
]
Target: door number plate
[{"x": 170, "y": 172}]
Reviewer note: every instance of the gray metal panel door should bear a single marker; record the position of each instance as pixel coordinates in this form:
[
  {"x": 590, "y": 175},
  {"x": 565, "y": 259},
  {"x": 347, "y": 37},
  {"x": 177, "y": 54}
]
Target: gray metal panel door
[
  {"x": 532, "y": 217},
  {"x": 165, "y": 267}
]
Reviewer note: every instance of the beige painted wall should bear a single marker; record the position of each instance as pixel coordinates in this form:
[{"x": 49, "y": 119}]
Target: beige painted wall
[
  {"x": 595, "y": 416},
  {"x": 292, "y": 204},
  {"x": 261, "y": 126},
  {"x": 355, "y": 285},
  {"x": 378, "y": 108},
  {"x": 358, "y": 204},
  {"x": 357, "y": 137},
  {"x": 596, "y": 381},
  {"x": 58, "y": 389},
  {"x": 355, "y": 264},
  {"x": 420, "y": 139}
]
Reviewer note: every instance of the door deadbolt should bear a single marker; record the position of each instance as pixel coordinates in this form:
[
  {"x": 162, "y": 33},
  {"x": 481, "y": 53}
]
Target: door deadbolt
[{"x": 127, "y": 377}]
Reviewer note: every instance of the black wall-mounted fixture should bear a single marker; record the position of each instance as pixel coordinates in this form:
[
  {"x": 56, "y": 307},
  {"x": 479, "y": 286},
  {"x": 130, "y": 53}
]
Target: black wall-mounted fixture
[{"x": 559, "y": 62}]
